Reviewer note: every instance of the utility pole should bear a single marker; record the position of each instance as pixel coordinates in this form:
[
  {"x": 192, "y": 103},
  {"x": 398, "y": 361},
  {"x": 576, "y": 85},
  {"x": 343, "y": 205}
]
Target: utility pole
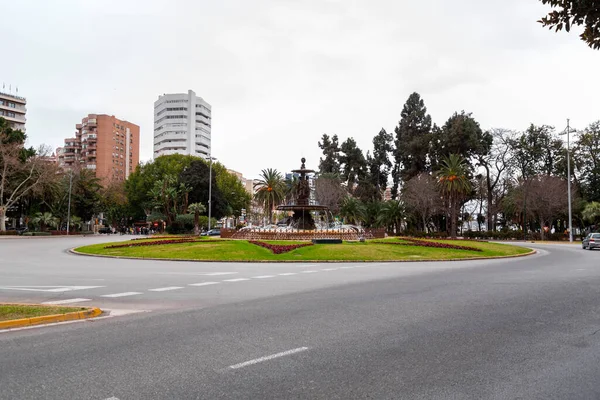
[
  {"x": 568, "y": 132},
  {"x": 69, "y": 209},
  {"x": 209, "y": 188}
]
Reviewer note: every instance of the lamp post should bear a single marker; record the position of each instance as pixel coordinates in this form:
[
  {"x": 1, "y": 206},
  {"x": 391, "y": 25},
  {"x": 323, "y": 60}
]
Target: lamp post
[
  {"x": 567, "y": 132},
  {"x": 210, "y": 188}
]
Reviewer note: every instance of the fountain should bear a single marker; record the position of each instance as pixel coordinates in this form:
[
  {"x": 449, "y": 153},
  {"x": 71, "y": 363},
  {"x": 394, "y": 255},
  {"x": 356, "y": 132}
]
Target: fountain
[
  {"x": 302, "y": 209},
  {"x": 301, "y": 224}
]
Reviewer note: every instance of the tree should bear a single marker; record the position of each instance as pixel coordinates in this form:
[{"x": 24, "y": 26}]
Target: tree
[
  {"x": 23, "y": 172},
  {"x": 196, "y": 209},
  {"x": 329, "y": 191},
  {"x": 352, "y": 210},
  {"x": 454, "y": 186},
  {"x": 591, "y": 212},
  {"x": 392, "y": 214},
  {"x": 462, "y": 135},
  {"x": 547, "y": 198},
  {"x": 269, "y": 190},
  {"x": 353, "y": 163},
  {"x": 497, "y": 165},
  {"x": 413, "y": 136},
  {"x": 331, "y": 150},
  {"x": 567, "y": 13},
  {"x": 379, "y": 164},
  {"x": 587, "y": 160},
  {"x": 86, "y": 195},
  {"x": 422, "y": 197}
]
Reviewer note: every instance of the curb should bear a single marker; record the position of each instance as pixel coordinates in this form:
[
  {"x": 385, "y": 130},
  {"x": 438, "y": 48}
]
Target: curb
[
  {"x": 73, "y": 251},
  {"x": 48, "y": 319}
]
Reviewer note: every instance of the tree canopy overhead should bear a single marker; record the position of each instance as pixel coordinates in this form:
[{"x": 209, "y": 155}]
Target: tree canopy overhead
[{"x": 568, "y": 13}]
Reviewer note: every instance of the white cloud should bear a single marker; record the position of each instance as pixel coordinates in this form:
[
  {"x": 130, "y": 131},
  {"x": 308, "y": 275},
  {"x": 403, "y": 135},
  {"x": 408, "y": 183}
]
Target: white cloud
[{"x": 279, "y": 74}]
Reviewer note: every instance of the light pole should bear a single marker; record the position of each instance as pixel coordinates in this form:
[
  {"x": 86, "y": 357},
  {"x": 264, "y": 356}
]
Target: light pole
[
  {"x": 69, "y": 207},
  {"x": 567, "y": 132},
  {"x": 210, "y": 188}
]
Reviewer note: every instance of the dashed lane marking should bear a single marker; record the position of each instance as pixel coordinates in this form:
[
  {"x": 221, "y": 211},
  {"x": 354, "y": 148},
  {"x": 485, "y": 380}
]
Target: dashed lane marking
[
  {"x": 330, "y": 269},
  {"x": 204, "y": 283},
  {"x": 236, "y": 280},
  {"x": 308, "y": 272},
  {"x": 219, "y": 273},
  {"x": 288, "y": 274},
  {"x": 124, "y": 294},
  {"x": 66, "y": 301},
  {"x": 267, "y": 358},
  {"x": 165, "y": 289},
  {"x": 263, "y": 276}
]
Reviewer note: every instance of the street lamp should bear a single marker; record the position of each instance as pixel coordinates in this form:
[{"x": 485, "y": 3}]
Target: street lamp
[
  {"x": 567, "y": 131},
  {"x": 69, "y": 207},
  {"x": 210, "y": 157}
]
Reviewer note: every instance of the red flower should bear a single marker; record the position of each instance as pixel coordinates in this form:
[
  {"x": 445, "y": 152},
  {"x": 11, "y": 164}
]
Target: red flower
[{"x": 279, "y": 248}]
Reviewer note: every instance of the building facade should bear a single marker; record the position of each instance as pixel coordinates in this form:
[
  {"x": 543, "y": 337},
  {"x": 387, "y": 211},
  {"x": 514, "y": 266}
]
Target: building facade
[
  {"x": 182, "y": 125},
  {"x": 104, "y": 144},
  {"x": 13, "y": 109}
]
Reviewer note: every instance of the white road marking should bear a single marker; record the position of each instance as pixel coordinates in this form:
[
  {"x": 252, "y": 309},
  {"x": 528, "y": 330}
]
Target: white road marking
[
  {"x": 263, "y": 276},
  {"x": 165, "y": 289},
  {"x": 67, "y": 301},
  {"x": 267, "y": 358},
  {"x": 236, "y": 280},
  {"x": 124, "y": 294},
  {"x": 308, "y": 272},
  {"x": 51, "y": 289},
  {"x": 112, "y": 398},
  {"x": 346, "y": 267},
  {"x": 330, "y": 269},
  {"x": 288, "y": 273},
  {"x": 204, "y": 283},
  {"x": 219, "y": 273}
]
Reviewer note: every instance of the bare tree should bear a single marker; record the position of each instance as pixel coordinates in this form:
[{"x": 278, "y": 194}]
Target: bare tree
[
  {"x": 497, "y": 165},
  {"x": 329, "y": 191},
  {"x": 19, "y": 177},
  {"x": 421, "y": 195},
  {"x": 547, "y": 198}
]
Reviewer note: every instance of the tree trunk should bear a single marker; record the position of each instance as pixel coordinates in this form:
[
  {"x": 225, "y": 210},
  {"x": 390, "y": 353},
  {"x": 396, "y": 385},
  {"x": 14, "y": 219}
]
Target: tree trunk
[
  {"x": 490, "y": 198},
  {"x": 453, "y": 219},
  {"x": 424, "y": 223},
  {"x": 196, "y": 223},
  {"x": 2, "y": 219}
]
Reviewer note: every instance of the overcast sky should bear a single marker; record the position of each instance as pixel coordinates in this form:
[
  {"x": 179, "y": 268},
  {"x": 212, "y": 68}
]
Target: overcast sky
[{"x": 280, "y": 73}]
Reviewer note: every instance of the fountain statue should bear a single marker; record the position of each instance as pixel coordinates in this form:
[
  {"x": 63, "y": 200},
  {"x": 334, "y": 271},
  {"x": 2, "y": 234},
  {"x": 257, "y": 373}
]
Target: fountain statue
[{"x": 303, "y": 206}]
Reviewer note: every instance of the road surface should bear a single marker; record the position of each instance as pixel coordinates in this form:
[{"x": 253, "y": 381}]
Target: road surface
[{"x": 524, "y": 328}]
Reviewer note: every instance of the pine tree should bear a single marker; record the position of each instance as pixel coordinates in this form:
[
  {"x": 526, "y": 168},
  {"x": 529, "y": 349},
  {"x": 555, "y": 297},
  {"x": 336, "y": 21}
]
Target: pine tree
[
  {"x": 379, "y": 164},
  {"x": 412, "y": 139},
  {"x": 331, "y": 150}
]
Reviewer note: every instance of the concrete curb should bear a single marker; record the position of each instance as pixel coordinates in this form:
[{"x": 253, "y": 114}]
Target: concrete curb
[
  {"x": 73, "y": 251},
  {"x": 48, "y": 319}
]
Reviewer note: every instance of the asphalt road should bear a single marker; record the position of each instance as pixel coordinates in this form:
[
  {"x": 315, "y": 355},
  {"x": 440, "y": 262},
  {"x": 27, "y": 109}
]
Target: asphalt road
[{"x": 525, "y": 328}]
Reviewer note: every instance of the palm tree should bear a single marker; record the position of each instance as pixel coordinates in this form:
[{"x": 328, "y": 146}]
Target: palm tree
[
  {"x": 454, "y": 184},
  {"x": 270, "y": 190},
  {"x": 392, "y": 214},
  {"x": 352, "y": 210},
  {"x": 591, "y": 212},
  {"x": 76, "y": 222},
  {"x": 196, "y": 209},
  {"x": 44, "y": 220}
]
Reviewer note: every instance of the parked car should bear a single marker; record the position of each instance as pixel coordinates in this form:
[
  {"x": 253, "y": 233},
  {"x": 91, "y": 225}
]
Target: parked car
[
  {"x": 591, "y": 241},
  {"x": 212, "y": 232},
  {"x": 21, "y": 230},
  {"x": 105, "y": 229}
]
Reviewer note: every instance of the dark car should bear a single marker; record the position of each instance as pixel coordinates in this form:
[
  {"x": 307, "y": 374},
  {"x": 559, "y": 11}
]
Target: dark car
[
  {"x": 591, "y": 241},
  {"x": 105, "y": 229},
  {"x": 21, "y": 230},
  {"x": 212, "y": 232}
]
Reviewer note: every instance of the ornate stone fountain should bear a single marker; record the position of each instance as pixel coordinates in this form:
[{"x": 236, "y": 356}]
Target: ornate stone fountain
[{"x": 303, "y": 206}]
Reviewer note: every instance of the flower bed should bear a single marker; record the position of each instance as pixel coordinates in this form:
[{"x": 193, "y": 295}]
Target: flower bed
[
  {"x": 165, "y": 237},
  {"x": 426, "y": 243},
  {"x": 152, "y": 243},
  {"x": 279, "y": 248}
]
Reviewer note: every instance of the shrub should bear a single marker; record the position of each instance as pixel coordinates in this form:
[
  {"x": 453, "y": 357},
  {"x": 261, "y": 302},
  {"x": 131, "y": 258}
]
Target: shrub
[
  {"x": 426, "y": 243},
  {"x": 186, "y": 221},
  {"x": 36, "y": 234},
  {"x": 152, "y": 243},
  {"x": 8, "y": 233}
]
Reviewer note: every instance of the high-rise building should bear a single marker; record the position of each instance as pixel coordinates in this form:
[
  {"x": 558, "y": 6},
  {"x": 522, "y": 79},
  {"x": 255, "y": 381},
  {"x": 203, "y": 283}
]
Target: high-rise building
[
  {"x": 13, "y": 109},
  {"x": 105, "y": 144},
  {"x": 182, "y": 124}
]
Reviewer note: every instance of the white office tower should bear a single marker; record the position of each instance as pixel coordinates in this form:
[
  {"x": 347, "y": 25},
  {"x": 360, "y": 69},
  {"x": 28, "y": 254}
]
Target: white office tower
[{"x": 182, "y": 125}]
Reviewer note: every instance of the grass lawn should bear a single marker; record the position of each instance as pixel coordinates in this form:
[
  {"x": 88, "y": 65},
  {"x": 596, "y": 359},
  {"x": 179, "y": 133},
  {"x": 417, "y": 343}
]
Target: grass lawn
[
  {"x": 18, "y": 311},
  {"x": 241, "y": 250}
]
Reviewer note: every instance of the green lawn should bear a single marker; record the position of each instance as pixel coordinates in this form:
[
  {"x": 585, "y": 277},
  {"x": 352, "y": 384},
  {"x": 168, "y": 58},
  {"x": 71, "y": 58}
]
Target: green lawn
[
  {"x": 241, "y": 250},
  {"x": 17, "y": 311}
]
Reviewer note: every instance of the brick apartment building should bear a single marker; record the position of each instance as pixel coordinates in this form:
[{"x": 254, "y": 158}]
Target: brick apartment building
[{"x": 105, "y": 144}]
